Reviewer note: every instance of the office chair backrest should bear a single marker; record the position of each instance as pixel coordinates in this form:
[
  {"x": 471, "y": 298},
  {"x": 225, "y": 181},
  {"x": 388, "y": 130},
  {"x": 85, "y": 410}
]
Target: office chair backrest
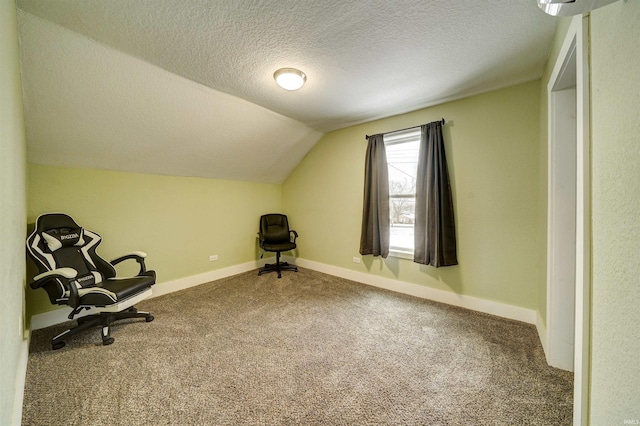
[
  {"x": 275, "y": 228},
  {"x": 58, "y": 242}
]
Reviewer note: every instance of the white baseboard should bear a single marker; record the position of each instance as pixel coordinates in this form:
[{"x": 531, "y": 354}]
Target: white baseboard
[
  {"x": 194, "y": 280},
  {"x": 21, "y": 376},
  {"x": 504, "y": 310},
  {"x": 47, "y": 319},
  {"x": 469, "y": 302}
]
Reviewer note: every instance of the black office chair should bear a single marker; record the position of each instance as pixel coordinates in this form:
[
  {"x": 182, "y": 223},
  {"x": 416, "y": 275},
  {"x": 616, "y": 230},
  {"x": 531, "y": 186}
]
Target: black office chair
[
  {"x": 275, "y": 236},
  {"x": 73, "y": 274}
]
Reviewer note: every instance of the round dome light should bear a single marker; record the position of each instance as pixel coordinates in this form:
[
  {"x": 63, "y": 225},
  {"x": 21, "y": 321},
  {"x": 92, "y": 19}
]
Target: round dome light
[{"x": 290, "y": 78}]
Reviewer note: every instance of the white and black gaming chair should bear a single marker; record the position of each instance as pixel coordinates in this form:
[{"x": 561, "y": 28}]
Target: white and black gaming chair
[{"x": 73, "y": 274}]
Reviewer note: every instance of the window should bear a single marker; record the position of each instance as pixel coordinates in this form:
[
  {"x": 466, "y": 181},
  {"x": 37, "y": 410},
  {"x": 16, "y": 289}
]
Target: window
[{"x": 402, "y": 160}]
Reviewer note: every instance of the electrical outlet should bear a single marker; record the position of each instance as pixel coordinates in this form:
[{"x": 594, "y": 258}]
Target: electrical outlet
[
  {"x": 213, "y": 257},
  {"x": 356, "y": 259}
]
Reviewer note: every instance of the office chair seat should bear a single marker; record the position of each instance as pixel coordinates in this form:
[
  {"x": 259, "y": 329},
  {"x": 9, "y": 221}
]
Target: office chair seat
[
  {"x": 278, "y": 247},
  {"x": 73, "y": 274}
]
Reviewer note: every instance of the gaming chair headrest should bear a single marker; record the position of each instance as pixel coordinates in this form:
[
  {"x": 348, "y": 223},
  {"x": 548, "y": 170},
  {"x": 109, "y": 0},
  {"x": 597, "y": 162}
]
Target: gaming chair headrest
[{"x": 59, "y": 230}]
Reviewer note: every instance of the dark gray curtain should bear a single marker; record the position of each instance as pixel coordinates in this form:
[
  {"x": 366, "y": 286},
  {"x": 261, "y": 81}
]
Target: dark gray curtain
[
  {"x": 374, "y": 238},
  {"x": 435, "y": 234}
]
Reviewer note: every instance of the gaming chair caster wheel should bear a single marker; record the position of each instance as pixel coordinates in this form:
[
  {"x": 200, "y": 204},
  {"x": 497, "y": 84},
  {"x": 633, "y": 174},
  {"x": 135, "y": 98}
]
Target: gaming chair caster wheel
[
  {"x": 108, "y": 341},
  {"x": 57, "y": 346},
  {"x": 148, "y": 318}
]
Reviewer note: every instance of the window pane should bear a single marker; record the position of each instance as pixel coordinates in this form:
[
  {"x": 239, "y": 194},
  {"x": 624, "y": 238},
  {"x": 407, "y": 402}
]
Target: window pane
[
  {"x": 402, "y": 220},
  {"x": 402, "y": 159}
]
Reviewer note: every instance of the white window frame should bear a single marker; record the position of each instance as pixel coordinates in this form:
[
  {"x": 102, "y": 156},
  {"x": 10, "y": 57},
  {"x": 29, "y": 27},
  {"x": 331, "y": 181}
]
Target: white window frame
[{"x": 394, "y": 138}]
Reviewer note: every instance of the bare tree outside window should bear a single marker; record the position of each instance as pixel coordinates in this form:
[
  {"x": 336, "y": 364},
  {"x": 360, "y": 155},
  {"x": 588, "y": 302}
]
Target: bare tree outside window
[
  {"x": 402, "y": 161},
  {"x": 402, "y": 195}
]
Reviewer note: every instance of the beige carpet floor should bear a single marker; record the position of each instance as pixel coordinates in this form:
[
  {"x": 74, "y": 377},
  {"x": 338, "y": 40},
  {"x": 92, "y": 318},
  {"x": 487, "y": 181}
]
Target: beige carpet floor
[{"x": 307, "y": 349}]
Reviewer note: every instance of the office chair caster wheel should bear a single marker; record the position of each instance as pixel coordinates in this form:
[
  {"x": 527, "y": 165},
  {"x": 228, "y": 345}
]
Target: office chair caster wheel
[
  {"x": 108, "y": 341},
  {"x": 57, "y": 346},
  {"x": 133, "y": 310},
  {"x": 148, "y": 318}
]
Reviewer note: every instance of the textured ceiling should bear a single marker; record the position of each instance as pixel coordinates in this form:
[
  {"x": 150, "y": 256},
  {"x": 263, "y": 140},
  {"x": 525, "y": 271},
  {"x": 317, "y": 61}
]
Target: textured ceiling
[
  {"x": 364, "y": 60},
  {"x": 87, "y": 105}
]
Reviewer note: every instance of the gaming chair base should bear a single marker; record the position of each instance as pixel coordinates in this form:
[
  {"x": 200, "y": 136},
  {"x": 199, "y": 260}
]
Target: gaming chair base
[{"x": 104, "y": 319}]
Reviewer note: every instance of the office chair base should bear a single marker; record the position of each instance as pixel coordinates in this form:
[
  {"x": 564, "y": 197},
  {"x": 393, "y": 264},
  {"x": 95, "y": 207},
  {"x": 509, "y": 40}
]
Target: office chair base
[
  {"x": 103, "y": 319},
  {"x": 277, "y": 267}
]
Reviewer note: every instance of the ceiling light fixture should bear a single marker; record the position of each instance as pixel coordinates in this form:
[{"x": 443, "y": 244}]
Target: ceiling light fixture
[{"x": 290, "y": 78}]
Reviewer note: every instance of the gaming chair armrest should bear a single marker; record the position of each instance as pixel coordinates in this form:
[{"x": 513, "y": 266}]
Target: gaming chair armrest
[
  {"x": 295, "y": 235},
  {"x": 66, "y": 274},
  {"x": 137, "y": 255}
]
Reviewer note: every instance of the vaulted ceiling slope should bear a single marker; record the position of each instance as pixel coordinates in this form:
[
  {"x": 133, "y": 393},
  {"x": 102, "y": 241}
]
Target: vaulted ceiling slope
[
  {"x": 186, "y": 86},
  {"x": 88, "y": 105}
]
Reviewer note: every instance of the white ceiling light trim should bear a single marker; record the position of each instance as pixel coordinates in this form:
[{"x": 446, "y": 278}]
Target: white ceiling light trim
[
  {"x": 290, "y": 78},
  {"x": 571, "y": 7}
]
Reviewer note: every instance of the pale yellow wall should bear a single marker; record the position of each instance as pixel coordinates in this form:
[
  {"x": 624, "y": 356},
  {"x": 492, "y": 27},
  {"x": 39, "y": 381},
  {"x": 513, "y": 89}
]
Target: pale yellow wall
[
  {"x": 615, "y": 138},
  {"x": 492, "y": 143},
  {"x": 178, "y": 221},
  {"x": 12, "y": 213}
]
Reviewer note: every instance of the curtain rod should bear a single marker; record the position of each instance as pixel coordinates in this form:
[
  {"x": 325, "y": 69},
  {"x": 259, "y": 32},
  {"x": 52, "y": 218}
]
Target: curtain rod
[{"x": 400, "y": 130}]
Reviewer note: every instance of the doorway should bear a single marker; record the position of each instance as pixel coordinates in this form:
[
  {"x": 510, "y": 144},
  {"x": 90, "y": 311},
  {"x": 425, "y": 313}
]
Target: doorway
[
  {"x": 568, "y": 219},
  {"x": 561, "y": 218}
]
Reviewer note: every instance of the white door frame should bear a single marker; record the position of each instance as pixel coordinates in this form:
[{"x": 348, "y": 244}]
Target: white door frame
[{"x": 575, "y": 43}]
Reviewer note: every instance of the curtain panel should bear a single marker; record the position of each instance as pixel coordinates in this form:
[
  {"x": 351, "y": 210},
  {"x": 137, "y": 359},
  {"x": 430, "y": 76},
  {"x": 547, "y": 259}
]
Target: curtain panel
[
  {"x": 374, "y": 238},
  {"x": 435, "y": 234}
]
